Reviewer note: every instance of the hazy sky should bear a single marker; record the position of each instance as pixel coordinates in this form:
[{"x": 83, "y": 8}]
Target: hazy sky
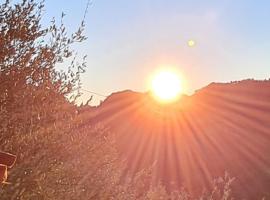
[{"x": 128, "y": 40}]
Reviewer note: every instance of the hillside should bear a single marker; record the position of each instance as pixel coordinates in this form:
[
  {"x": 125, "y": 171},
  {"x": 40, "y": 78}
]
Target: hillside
[{"x": 222, "y": 127}]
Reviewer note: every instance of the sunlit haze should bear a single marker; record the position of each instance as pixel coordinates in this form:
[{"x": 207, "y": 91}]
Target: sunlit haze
[{"x": 145, "y": 99}]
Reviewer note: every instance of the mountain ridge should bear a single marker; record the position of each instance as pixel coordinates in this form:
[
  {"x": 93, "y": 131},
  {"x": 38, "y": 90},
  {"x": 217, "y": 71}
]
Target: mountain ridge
[{"x": 221, "y": 127}]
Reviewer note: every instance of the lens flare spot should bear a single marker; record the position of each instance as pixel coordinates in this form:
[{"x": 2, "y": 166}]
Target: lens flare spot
[{"x": 191, "y": 43}]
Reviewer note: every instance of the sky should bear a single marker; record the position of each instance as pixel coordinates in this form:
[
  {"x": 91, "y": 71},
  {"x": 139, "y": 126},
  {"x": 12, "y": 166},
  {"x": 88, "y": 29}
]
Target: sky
[{"x": 129, "y": 40}]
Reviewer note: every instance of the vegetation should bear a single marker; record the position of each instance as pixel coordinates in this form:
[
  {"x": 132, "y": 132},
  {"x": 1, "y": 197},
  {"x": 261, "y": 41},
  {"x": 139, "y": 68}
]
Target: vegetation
[{"x": 59, "y": 155}]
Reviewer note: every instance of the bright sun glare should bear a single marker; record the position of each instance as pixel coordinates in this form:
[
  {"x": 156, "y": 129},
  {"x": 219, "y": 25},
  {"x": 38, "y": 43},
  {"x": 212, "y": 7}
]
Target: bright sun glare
[{"x": 166, "y": 86}]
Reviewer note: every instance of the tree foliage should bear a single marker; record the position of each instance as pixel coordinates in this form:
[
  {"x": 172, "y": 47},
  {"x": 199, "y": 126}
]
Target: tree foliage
[
  {"x": 35, "y": 98},
  {"x": 31, "y": 85}
]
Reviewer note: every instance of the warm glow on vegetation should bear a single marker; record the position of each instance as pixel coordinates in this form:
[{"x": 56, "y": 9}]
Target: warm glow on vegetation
[{"x": 166, "y": 86}]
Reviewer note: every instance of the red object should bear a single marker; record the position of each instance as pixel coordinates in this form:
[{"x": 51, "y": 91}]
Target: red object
[
  {"x": 7, "y": 160},
  {"x": 3, "y": 173}
]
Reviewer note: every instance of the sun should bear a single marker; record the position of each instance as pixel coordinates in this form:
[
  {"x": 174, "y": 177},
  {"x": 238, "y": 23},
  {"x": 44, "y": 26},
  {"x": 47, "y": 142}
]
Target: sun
[{"x": 166, "y": 86}]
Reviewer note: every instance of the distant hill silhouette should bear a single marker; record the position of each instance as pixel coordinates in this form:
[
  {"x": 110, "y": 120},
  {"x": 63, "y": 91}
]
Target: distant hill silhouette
[{"x": 222, "y": 127}]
